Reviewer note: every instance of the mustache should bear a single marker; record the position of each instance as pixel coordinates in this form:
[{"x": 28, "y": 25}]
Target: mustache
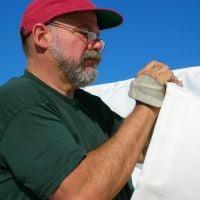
[{"x": 91, "y": 55}]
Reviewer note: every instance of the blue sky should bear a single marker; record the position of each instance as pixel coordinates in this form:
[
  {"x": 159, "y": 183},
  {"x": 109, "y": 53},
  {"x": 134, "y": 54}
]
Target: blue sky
[{"x": 168, "y": 31}]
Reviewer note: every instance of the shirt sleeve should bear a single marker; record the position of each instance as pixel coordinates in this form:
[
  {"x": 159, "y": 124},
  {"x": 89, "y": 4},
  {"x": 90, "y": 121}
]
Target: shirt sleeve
[{"x": 39, "y": 150}]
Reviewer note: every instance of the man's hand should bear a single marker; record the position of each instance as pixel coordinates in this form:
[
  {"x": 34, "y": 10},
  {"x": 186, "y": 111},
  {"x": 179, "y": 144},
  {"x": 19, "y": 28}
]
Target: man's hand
[
  {"x": 159, "y": 72},
  {"x": 149, "y": 85}
]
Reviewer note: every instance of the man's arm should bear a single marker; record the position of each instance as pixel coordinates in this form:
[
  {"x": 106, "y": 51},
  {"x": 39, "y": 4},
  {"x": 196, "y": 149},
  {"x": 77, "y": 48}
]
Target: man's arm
[{"x": 105, "y": 170}]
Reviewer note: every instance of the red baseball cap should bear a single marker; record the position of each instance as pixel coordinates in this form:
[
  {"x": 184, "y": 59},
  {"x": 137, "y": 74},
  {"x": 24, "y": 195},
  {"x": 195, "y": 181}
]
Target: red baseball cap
[{"x": 43, "y": 11}]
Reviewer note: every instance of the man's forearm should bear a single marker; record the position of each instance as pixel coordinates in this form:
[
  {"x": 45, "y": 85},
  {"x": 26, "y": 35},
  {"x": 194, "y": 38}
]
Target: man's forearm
[{"x": 106, "y": 169}]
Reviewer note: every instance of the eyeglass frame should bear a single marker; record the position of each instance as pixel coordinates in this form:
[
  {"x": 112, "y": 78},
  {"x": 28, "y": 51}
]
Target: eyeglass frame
[{"x": 91, "y": 36}]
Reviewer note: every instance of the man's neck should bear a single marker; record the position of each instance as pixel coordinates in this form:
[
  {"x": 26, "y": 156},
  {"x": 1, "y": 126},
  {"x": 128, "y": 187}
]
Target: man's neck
[{"x": 53, "y": 77}]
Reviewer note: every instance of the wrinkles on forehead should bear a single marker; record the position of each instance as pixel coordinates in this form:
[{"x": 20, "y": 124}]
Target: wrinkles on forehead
[{"x": 86, "y": 20}]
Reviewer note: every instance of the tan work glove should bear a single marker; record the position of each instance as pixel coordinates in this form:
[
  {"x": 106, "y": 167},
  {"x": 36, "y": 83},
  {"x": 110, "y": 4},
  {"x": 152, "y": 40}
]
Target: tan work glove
[{"x": 147, "y": 90}]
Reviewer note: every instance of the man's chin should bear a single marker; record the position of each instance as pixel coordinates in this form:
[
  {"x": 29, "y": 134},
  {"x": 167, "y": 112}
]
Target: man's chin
[
  {"x": 90, "y": 69},
  {"x": 90, "y": 76}
]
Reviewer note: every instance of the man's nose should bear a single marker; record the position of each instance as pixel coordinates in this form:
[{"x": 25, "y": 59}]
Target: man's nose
[{"x": 96, "y": 45}]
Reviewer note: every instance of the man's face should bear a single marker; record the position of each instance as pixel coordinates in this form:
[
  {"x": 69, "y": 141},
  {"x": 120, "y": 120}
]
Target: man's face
[{"x": 76, "y": 58}]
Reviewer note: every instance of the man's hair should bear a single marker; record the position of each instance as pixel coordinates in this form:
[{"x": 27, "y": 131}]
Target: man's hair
[
  {"x": 26, "y": 43},
  {"x": 25, "y": 47}
]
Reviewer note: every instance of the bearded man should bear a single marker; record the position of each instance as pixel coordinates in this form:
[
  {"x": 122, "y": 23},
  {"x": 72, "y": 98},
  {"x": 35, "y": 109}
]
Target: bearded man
[{"x": 57, "y": 141}]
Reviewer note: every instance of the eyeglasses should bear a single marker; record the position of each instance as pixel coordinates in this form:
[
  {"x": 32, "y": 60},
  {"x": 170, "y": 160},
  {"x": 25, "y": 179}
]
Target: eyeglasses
[{"x": 91, "y": 36}]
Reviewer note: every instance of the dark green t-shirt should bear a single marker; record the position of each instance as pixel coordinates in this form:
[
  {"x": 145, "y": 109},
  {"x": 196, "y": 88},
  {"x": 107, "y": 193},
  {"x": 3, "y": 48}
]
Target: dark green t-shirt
[{"x": 45, "y": 135}]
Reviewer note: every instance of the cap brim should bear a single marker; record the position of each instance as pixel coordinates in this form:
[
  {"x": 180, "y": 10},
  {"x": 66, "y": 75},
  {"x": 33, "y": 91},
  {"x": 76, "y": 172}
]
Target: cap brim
[{"x": 108, "y": 18}]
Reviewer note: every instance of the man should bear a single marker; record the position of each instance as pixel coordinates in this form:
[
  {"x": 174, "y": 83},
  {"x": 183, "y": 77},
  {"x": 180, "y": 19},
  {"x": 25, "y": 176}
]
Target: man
[{"x": 57, "y": 141}]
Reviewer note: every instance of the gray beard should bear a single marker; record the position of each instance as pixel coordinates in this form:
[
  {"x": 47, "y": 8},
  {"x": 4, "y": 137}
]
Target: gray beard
[{"x": 74, "y": 71}]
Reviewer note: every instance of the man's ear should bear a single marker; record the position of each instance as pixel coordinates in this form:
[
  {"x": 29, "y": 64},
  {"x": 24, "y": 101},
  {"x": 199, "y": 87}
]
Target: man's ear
[{"x": 40, "y": 35}]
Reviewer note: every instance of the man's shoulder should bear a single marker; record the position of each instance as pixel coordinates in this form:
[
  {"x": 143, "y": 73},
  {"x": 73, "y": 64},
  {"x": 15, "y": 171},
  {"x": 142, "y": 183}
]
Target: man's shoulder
[
  {"x": 15, "y": 95},
  {"x": 18, "y": 90}
]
